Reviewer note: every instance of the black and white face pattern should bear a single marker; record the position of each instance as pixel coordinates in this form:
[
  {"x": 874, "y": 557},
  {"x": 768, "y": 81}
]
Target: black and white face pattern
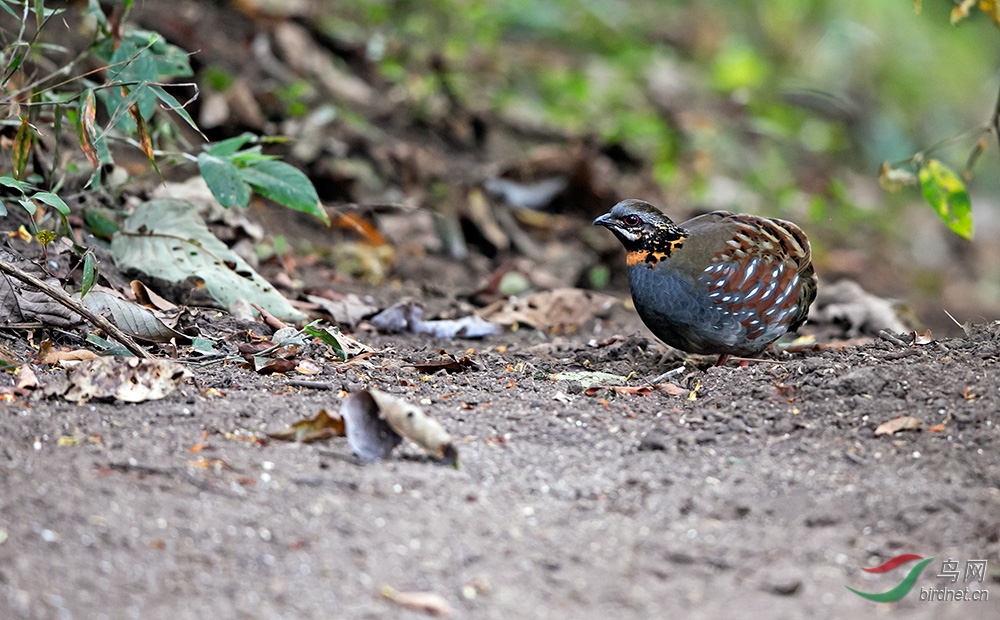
[{"x": 756, "y": 295}]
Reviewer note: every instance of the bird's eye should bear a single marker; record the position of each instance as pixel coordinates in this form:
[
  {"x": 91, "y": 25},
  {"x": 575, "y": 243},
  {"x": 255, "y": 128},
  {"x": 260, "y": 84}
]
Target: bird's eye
[{"x": 631, "y": 220}]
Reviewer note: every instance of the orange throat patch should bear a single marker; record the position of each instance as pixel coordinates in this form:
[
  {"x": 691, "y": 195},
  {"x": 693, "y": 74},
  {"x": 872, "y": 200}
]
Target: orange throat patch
[
  {"x": 651, "y": 257},
  {"x": 639, "y": 257}
]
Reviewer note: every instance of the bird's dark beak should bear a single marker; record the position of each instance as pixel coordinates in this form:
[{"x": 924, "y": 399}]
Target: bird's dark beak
[{"x": 606, "y": 221}]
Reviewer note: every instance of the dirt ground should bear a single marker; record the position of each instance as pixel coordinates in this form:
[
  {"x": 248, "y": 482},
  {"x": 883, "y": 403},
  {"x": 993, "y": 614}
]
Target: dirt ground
[{"x": 760, "y": 496}]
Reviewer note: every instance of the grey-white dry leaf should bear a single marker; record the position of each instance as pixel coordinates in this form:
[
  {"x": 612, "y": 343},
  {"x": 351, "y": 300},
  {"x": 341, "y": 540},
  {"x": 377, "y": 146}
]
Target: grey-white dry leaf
[
  {"x": 166, "y": 239},
  {"x": 133, "y": 319},
  {"x": 411, "y": 422},
  {"x": 347, "y": 311},
  {"x": 407, "y": 316},
  {"x": 368, "y": 434},
  {"x": 128, "y": 379}
]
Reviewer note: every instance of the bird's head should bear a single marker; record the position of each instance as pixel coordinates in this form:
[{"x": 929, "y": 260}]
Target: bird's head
[{"x": 648, "y": 235}]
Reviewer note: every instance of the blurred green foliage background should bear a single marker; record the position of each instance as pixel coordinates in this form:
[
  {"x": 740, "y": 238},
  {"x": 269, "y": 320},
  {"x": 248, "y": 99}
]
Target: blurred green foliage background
[{"x": 783, "y": 107}]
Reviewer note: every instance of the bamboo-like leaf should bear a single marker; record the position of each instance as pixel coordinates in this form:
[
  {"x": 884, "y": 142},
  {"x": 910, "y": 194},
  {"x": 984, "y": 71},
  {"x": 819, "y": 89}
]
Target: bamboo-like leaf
[
  {"x": 86, "y": 132},
  {"x": 145, "y": 143},
  {"x": 22, "y": 147},
  {"x": 946, "y": 192},
  {"x": 174, "y": 106},
  {"x": 89, "y": 275}
]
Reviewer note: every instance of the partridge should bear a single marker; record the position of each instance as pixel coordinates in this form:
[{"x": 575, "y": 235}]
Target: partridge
[{"x": 718, "y": 284}]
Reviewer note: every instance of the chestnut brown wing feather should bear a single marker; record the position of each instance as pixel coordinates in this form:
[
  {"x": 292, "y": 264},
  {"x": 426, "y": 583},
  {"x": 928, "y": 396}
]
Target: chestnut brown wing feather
[{"x": 760, "y": 270}]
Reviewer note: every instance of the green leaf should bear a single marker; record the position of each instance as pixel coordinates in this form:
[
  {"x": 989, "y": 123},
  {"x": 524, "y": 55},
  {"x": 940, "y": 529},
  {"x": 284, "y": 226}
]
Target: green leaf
[
  {"x": 29, "y": 206},
  {"x": 946, "y": 192},
  {"x": 230, "y": 146},
  {"x": 53, "y": 201},
  {"x": 223, "y": 178},
  {"x": 14, "y": 184},
  {"x": 327, "y": 336},
  {"x": 285, "y": 185},
  {"x": 4, "y": 6},
  {"x": 89, "y": 275},
  {"x": 100, "y": 223}
]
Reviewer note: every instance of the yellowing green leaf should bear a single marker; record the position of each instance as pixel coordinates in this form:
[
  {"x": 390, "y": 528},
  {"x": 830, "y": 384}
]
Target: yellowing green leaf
[
  {"x": 961, "y": 10},
  {"x": 21, "y": 148},
  {"x": 991, "y": 8},
  {"x": 946, "y": 192}
]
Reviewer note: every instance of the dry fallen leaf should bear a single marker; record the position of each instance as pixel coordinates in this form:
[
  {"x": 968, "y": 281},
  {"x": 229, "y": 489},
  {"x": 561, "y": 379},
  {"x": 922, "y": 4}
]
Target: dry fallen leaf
[
  {"x": 937, "y": 428},
  {"x": 322, "y": 426},
  {"x": 430, "y": 602},
  {"x": 640, "y": 390},
  {"x": 671, "y": 389},
  {"x": 411, "y": 422},
  {"x": 449, "y": 363},
  {"x": 27, "y": 382},
  {"x": 924, "y": 338},
  {"x": 368, "y": 434},
  {"x": 49, "y": 355},
  {"x": 128, "y": 379},
  {"x": 902, "y": 423},
  {"x": 559, "y": 310},
  {"x": 376, "y": 422}
]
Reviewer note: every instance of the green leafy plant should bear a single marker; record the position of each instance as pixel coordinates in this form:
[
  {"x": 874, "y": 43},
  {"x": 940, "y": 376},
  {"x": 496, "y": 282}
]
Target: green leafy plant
[
  {"x": 134, "y": 86},
  {"x": 943, "y": 188},
  {"x": 231, "y": 171}
]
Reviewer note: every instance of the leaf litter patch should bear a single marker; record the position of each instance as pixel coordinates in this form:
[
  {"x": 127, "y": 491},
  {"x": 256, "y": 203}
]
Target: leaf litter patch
[{"x": 128, "y": 379}]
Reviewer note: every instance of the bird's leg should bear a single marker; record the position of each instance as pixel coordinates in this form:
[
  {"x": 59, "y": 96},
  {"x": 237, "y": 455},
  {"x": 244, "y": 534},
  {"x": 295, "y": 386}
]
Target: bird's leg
[{"x": 722, "y": 359}]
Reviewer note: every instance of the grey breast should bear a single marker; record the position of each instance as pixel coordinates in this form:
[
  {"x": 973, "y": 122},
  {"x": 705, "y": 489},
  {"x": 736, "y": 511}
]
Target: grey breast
[{"x": 675, "y": 309}]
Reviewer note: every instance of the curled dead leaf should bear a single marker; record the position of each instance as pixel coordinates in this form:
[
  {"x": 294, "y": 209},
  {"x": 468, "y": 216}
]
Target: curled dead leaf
[
  {"x": 924, "y": 338},
  {"x": 47, "y": 354},
  {"x": 411, "y": 422},
  {"x": 376, "y": 422},
  {"x": 902, "y": 423},
  {"x": 318, "y": 428},
  {"x": 430, "y": 602}
]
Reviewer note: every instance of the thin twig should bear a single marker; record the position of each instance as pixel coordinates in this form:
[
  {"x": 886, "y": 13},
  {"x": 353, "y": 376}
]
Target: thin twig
[
  {"x": 312, "y": 385},
  {"x": 63, "y": 298},
  {"x": 885, "y": 334}
]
